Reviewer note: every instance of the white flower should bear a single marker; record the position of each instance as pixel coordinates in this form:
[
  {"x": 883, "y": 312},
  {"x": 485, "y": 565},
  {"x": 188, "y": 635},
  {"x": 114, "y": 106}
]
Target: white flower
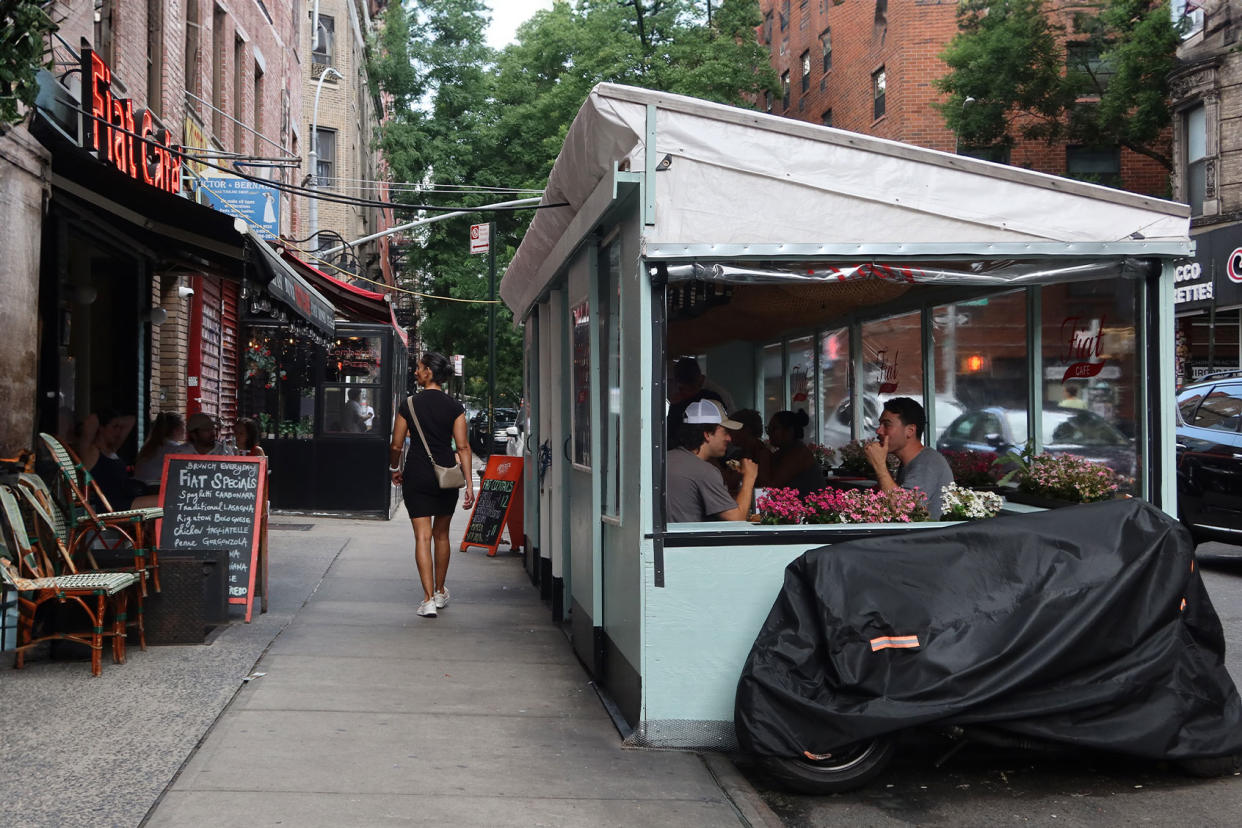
[{"x": 967, "y": 504}]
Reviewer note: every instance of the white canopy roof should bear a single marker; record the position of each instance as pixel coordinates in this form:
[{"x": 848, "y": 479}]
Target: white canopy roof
[{"x": 737, "y": 177}]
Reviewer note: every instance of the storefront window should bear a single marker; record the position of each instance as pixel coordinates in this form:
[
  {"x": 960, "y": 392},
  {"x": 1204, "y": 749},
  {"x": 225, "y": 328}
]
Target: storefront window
[
  {"x": 834, "y": 364},
  {"x": 1090, "y": 387},
  {"x": 278, "y": 383},
  {"x": 980, "y": 364},
  {"x": 802, "y": 379},
  {"x": 892, "y": 364},
  {"x": 773, "y": 380},
  {"x": 352, "y": 377},
  {"x": 610, "y": 366},
  {"x": 581, "y": 406}
]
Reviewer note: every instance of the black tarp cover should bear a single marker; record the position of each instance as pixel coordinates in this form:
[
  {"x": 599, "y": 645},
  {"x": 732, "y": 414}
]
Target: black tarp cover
[{"x": 1087, "y": 625}]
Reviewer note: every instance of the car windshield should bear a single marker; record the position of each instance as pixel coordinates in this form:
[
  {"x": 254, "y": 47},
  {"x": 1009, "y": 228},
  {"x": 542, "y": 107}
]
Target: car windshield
[{"x": 1069, "y": 427}]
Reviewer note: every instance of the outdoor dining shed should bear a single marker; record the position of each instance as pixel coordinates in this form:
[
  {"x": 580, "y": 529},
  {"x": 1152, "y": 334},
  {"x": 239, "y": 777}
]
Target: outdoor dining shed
[{"x": 808, "y": 268}]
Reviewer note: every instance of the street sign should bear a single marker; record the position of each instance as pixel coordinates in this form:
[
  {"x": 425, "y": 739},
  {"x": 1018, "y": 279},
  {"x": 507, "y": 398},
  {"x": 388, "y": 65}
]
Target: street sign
[
  {"x": 257, "y": 204},
  {"x": 458, "y": 363},
  {"x": 478, "y": 238}
]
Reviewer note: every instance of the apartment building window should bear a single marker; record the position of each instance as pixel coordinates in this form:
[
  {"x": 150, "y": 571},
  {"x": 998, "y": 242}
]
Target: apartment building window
[
  {"x": 806, "y": 70},
  {"x": 193, "y": 65},
  {"x": 767, "y": 101},
  {"x": 1195, "y": 121},
  {"x": 1098, "y": 165},
  {"x": 155, "y": 52},
  {"x": 881, "y": 13},
  {"x": 217, "y": 72},
  {"x": 257, "y": 120},
  {"x": 785, "y": 89},
  {"x": 826, "y": 118},
  {"x": 327, "y": 32},
  {"x": 1085, "y": 59},
  {"x": 325, "y": 159},
  {"x": 825, "y": 47},
  {"x": 879, "y": 83},
  {"x": 239, "y": 134},
  {"x": 1192, "y": 12},
  {"x": 767, "y": 29},
  {"x": 102, "y": 41},
  {"x": 784, "y": 15}
]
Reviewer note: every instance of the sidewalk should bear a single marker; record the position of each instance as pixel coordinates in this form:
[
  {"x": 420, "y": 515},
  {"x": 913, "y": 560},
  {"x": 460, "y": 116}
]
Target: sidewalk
[{"x": 370, "y": 715}]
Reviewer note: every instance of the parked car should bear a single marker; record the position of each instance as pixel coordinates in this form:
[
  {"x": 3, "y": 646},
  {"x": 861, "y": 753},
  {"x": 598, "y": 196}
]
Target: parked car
[
  {"x": 1209, "y": 457},
  {"x": 496, "y": 442},
  {"x": 840, "y": 421},
  {"x": 1074, "y": 431}
]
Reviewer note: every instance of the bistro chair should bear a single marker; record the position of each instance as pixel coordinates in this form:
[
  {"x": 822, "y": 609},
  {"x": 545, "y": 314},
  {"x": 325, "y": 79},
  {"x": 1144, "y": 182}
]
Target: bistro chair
[
  {"x": 133, "y": 526},
  {"x": 95, "y": 592},
  {"x": 50, "y": 532}
]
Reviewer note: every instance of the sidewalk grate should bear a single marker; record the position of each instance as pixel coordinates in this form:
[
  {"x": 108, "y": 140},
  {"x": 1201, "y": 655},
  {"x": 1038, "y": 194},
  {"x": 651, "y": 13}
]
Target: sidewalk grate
[{"x": 292, "y": 527}]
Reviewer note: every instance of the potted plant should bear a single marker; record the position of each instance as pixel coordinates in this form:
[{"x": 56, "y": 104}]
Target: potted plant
[
  {"x": 780, "y": 506},
  {"x": 854, "y": 461},
  {"x": 973, "y": 469},
  {"x": 825, "y": 457},
  {"x": 1058, "y": 480},
  {"x": 878, "y": 506},
  {"x": 959, "y": 503}
]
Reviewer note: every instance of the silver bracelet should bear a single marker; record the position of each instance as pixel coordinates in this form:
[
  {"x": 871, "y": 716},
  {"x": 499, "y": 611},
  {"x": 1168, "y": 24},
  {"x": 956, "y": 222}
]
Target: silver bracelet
[{"x": 394, "y": 468}]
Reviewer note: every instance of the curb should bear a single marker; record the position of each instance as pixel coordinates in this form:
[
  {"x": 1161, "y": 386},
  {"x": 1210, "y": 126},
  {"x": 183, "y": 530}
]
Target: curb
[{"x": 750, "y": 806}]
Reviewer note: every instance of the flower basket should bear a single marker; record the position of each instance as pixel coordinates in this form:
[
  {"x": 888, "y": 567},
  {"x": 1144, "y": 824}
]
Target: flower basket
[
  {"x": 853, "y": 461},
  {"x": 973, "y": 469},
  {"x": 960, "y": 503},
  {"x": 1067, "y": 479},
  {"x": 780, "y": 506}
]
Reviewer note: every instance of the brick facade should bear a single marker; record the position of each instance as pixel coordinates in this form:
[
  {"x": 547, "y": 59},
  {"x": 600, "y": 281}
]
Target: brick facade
[{"x": 904, "y": 38}]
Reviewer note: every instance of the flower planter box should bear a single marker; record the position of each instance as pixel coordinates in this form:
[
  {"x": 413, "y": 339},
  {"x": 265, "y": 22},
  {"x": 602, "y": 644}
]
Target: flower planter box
[{"x": 1042, "y": 501}]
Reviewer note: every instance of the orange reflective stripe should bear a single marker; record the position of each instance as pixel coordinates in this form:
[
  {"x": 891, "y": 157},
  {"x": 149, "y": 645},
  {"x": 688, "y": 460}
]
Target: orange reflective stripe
[
  {"x": 900, "y": 642},
  {"x": 1183, "y": 606}
]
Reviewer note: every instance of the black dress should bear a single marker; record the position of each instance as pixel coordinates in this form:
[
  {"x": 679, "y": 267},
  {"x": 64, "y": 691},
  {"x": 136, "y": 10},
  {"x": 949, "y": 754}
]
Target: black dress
[{"x": 437, "y": 412}]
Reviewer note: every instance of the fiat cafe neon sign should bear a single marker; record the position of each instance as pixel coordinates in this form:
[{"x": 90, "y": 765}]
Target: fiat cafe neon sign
[{"x": 133, "y": 141}]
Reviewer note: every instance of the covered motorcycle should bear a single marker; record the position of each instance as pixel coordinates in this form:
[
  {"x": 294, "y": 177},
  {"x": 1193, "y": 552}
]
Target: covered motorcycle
[{"x": 1087, "y": 626}]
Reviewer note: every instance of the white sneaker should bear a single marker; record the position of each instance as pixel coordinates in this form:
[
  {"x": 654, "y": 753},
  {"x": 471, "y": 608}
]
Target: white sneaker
[
  {"x": 441, "y": 598},
  {"x": 427, "y": 609}
]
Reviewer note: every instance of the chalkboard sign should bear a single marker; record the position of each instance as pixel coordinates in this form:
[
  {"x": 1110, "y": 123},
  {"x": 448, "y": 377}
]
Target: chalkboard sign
[
  {"x": 502, "y": 480},
  {"x": 216, "y": 502}
]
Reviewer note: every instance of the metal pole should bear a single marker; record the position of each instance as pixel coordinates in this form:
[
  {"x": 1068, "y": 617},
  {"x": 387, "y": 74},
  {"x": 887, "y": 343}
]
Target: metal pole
[
  {"x": 312, "y": 184},
  {"x": 441, "y": 217},
  {"x": 491, "y": 331}
]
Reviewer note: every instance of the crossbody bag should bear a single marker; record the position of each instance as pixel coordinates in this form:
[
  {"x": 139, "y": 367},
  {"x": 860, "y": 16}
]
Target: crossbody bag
[{"x": 449, "y": 477}]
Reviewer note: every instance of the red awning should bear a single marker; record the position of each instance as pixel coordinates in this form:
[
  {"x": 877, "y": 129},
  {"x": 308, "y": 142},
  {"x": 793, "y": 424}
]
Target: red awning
[{"x": 354, "y": 303}]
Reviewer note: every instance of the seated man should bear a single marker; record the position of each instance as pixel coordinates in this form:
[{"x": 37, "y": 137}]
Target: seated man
[
  {"x": 201, "y": 431},
  {"x": 688, "y": 385},
  {"x": 900, "y": 432},
  {"x": 696, "y": 491}
]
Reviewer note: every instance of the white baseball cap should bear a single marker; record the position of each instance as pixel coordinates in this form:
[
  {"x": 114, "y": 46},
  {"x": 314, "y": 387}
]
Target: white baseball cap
[{"x": 707, "y": 412}]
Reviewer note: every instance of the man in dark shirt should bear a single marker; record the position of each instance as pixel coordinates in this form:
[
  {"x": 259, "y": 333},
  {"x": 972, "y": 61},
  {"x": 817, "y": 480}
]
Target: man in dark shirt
[{"x": 900, "y": 432}]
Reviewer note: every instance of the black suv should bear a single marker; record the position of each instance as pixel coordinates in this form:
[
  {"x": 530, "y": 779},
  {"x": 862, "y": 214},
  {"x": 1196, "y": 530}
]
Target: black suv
[
  {"x": 497, "y": 442},
  {"x": 1209, "y": 457}
]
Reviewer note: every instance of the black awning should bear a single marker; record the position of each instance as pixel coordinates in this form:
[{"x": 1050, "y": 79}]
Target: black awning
[{"x": 286, "y": 285}]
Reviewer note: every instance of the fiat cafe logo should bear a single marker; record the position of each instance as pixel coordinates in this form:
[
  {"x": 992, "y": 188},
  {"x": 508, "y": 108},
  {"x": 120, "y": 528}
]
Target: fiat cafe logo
[{"x": 1234, "y": 268}]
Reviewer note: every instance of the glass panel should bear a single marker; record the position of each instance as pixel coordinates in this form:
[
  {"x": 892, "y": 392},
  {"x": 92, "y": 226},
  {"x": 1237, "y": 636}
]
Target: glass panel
[
  {"x": 1221, "y": 411},
  {"x": 581, "y": 408},
  {"x": 1196, "y": 133},
  {"x": 892, "y": 364},
  {"x": 981, "y": 368},
  {"x": 1090, "y": 364},
  {"x": 1187, "y": 403},
  {"x": 355, "y": 359},
  {"x": 610, "y": 364},
  {"x": 802, "y": 379},
  {"x": 349, "y": 409},
  {"x": 279, "y": 374},
  {"x": 773, "y": 381},
  {"x": 834, "y": 365}
]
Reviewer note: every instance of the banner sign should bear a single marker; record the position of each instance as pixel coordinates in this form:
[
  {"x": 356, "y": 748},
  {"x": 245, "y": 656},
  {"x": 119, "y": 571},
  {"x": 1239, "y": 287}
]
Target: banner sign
[{"x": 256, "y": 204}]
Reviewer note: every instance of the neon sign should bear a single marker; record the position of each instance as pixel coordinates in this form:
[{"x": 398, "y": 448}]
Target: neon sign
[{"x": 132, "y": 141}]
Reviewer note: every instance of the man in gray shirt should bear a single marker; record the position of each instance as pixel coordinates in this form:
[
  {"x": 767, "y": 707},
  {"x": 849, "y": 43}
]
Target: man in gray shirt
[
  {"x": 696, "y": 490},
  {"x": 900, "y": 432}
]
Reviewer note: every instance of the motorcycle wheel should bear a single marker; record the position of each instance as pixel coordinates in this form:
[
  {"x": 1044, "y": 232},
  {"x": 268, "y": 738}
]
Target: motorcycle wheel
[{"x": 846, "y": 769}]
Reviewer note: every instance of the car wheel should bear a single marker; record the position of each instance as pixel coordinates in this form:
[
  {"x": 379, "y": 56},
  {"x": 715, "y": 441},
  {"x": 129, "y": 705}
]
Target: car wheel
[{"x": 845, "y": 769}]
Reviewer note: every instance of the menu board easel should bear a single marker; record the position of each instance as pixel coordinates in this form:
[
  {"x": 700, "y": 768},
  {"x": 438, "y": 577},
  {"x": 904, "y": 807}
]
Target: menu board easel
[
  {"x": 217, "y": 502},
  {"x": 500, "y": 493}
]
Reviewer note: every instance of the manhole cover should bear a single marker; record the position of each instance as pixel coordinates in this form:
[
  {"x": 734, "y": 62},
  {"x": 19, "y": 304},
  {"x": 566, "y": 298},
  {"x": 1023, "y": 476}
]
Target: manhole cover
[{"x": 292, "y": 527}]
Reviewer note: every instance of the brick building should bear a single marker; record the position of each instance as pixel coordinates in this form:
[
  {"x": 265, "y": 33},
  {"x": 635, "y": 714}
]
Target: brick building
[{"x": 869, "y": 66}]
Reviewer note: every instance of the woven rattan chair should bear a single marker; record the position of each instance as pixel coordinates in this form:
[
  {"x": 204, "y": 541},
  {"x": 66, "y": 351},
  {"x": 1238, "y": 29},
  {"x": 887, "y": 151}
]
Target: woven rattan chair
[
  {"x": 95, "y": 592},
  {"x": 133, "y": 526},
  {"x": 49, "y": 534}
]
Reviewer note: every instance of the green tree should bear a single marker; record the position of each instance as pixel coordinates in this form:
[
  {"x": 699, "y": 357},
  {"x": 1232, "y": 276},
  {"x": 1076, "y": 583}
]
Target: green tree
[
  {"x": 1016, "y": 72},
  {"x": 23, "y": 27},
  {"x": 466, "y": 116}
]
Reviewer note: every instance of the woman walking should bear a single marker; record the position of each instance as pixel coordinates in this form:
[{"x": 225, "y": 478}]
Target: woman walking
[{"x": 430, "y": 507}]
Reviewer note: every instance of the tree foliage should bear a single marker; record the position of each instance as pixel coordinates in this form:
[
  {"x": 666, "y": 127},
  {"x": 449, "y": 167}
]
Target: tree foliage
[
  {"x": 467, "y": 116},
  {"x": 23, "y": 28},
  {"x": 1016, "y": 71}
]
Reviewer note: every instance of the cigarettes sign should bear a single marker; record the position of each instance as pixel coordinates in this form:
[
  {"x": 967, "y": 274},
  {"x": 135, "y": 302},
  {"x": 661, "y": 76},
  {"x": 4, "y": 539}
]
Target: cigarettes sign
[{"x": 478, "y": 238}]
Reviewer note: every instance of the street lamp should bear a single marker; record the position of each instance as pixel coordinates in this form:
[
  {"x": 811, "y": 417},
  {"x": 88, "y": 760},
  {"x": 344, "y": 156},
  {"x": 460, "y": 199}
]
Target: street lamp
[
  {"x": 314, "y": 157},
  {"x": 957, "y": 135}
]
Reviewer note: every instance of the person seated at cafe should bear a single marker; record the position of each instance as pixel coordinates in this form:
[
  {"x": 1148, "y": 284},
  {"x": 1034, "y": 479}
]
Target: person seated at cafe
[
  {"x": 747, "y": 441},
  {"x": 688, "y": 385},
  {"x": 792, "y": 465},
  {"x": 354, "y": 419},
  {"x": 102, "y": 435},
  {"x": 167, "y": 435},
  {"x": 201, "y": 429},
  {"x": 696, "y": 491},
  {"x": 900, "y": 433},
  {"x": 246, "y": 438}
]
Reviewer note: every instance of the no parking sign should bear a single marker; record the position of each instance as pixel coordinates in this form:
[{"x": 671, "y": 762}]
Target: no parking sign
[{"x": 1234, "y": 267}]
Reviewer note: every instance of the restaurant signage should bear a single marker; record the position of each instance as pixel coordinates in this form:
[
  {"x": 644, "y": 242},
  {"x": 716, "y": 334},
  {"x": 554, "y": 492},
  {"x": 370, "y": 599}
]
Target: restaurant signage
[{"x": 131, "y": 140}]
